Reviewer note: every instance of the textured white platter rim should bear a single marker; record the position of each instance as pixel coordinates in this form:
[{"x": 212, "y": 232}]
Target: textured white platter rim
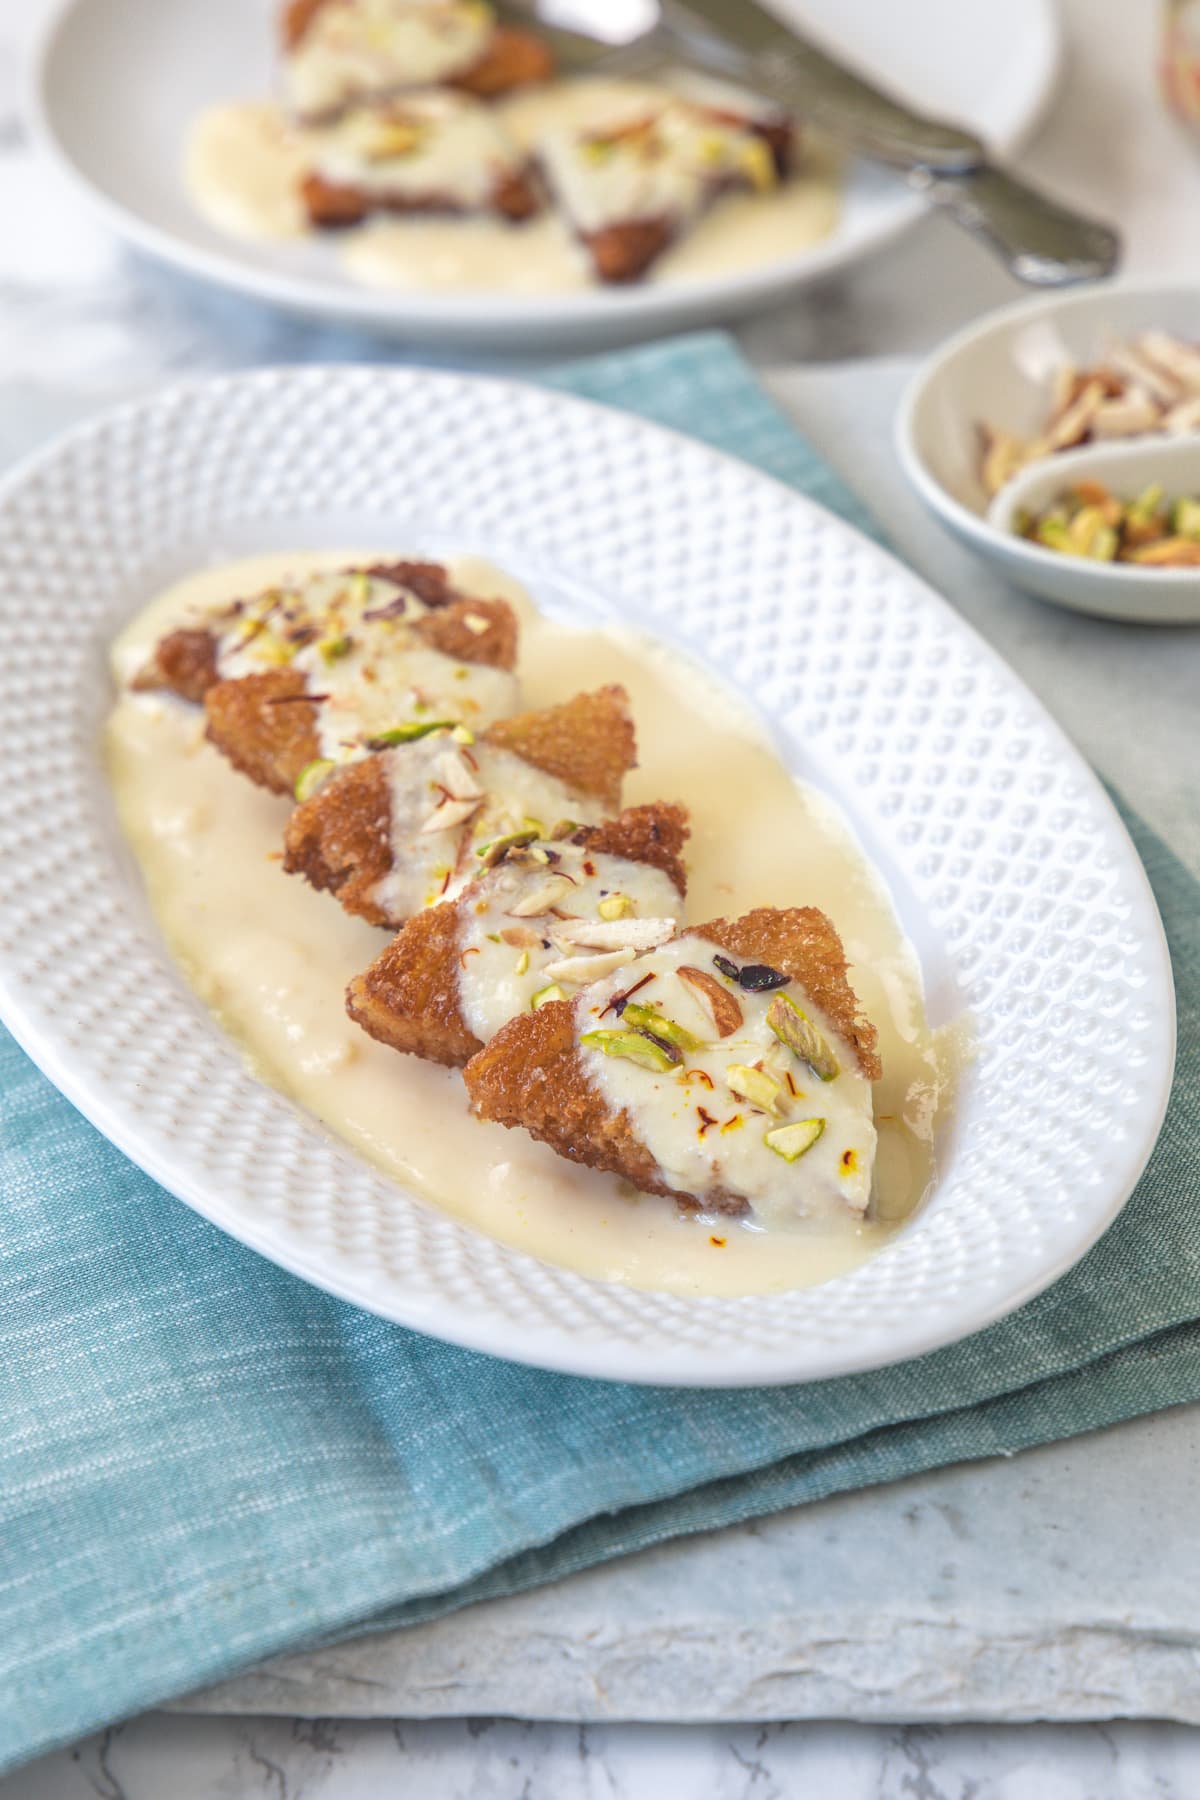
[
  {"x": 114, "y": 84},
  {"x": 1009, "y": 868}
]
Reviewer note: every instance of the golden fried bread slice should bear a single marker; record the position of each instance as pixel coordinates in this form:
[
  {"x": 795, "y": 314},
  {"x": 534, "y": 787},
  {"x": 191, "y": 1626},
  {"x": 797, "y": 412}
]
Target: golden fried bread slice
[
  {"x": 365, "y": 653},
  {"x": 432, "y": 152},
  {"x": 517, "y": 935},
  {"x": 728, "y": 1068},
  {"x": 400, "y": 831},
  {"x": 632, "y": 187},
  {"x": 339, "y": 53}
]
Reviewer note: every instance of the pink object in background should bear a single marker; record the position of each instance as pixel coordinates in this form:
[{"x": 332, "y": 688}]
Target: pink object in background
[{"x": 1180, "y": 66}]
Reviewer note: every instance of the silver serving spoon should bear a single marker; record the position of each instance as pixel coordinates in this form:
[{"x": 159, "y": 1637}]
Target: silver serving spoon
[{"x": 1041, "y": 242}]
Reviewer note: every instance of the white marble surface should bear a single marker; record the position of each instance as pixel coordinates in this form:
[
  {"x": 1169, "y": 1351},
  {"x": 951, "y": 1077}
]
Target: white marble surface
[{"x": 82, "y": 322}]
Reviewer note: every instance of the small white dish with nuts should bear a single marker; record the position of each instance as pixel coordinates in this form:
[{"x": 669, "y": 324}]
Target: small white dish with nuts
[{"x": 997, "y": 430}]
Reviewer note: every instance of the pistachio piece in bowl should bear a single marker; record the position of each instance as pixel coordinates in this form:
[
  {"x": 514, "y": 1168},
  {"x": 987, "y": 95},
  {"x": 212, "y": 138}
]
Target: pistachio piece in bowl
[{"x": 1109, "y": 528}]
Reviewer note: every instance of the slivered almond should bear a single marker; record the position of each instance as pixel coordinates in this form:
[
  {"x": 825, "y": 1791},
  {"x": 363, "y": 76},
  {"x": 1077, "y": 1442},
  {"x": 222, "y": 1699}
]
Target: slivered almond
[
  {"x": 726, "y": 1013},
  {"x": 453, "y": 772},
  {"x": 580, "y": 970},
  {"x": 1073, "y": 425},
  {"x": 613, "y": 934},
  {"x": 1178, "y": 361},
  {"x": 541, "y": 899},
  {"x": 1182, "y": 418},
  {"x": 449, "y": 814},
  {"x": 520, "y": 937},
  {"x": 1129, "y": 416},
  {"x": 1128, "y": 361}
]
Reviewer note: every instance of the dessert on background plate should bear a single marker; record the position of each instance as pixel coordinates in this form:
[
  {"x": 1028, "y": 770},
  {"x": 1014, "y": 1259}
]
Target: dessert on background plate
[{"x": 444, "y": 153}]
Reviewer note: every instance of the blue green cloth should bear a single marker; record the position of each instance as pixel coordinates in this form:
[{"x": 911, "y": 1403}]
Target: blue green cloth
[{"x": 203, "y": 1461}]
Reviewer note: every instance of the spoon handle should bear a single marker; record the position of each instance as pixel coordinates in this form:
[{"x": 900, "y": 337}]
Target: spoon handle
[{"x": 1043, "y": 243}]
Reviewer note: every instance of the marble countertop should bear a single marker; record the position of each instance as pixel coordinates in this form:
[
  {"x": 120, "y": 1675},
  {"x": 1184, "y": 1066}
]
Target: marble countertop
[{"x": 83, "y": 322}]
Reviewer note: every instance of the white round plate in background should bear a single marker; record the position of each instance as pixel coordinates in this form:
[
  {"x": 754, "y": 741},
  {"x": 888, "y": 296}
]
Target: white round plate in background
[
  {"x": 1010, "y": 871},
  {"x": 118, "y": 83}
]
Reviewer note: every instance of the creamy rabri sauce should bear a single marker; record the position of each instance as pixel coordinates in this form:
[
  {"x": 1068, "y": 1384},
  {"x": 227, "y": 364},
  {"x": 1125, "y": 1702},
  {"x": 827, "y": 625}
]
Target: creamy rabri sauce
[
  {"x": 272, "y": 957},
  {"x": 243, "y": 165}
]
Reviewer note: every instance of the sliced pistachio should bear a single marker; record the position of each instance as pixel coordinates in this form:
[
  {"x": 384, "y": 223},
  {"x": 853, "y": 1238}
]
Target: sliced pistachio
[
  {"x": 793, "y": 1027},
  {"x": 409, "y": 733},
  {"x": 615, "y": 906},
  {"x": 495, "y": 852},
  {"x": 545, "y": 995},
  {"x": 725, "y": 1009},
  {"x": 562, "y": 828},
  {"x": 754, "y": 1085},
  {"x": 312, "y": 775},
  {"x": 791, "y": 1141},
  {"x": 1185, "y": 518},
  {"x": 648, "y": 1018},
  {"x": 522, "y": 967},
  {"x": 648, "y": 1053},
  {"x": 333, "y": 649}
]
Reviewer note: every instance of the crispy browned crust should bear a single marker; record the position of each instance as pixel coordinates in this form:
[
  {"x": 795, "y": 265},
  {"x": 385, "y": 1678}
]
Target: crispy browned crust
[
  {"x": 624, "y": 252},
  {"x": 264, "y": 726},
  {"x": 803, "y": 943},
  {"x": 531, "y": 1073},
  {"x": 408, "y": 998},
  {"x": 334, "y": 206},
  {"x": 451, "y": 631},
  {"x": 653, "y": 834},
  {"x": 295, "y": 20},
  {"x": 588, "y": 742},
  {"x": 184, "y": 661},
  {"x": 513, "y": 59},
  {"x": 340, "y": 840}
]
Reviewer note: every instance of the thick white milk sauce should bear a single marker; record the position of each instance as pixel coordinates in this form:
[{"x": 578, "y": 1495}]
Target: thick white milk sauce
[
  {"x": 243, "y": 165},
  {"x": 272, "y": 957}
]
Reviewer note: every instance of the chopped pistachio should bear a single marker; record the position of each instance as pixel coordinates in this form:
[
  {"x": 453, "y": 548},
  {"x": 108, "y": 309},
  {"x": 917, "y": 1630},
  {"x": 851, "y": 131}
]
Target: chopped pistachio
[
  {"x": 311, "y": 777},
  {"x": 648, "y": 1018},
  {"x": 754, "y": 1085},
  {"x": 333, "y": 649},
  {"x": 408, "y": 733},
  {"x": 562, "y": 828},
  {"x": 462, "y": 734},
  {"x": 545, "y": 995},
  {"x": 523, "y": 963},
  {"x": 1185, "y": 518},
  {"x": 793, "y": 1027},
  {"x": 791, "y": 1141},
  {"x": 615, "y": 906},
  {"x": 494, "y": 852},
  {"x": 633, "y": 1046}
]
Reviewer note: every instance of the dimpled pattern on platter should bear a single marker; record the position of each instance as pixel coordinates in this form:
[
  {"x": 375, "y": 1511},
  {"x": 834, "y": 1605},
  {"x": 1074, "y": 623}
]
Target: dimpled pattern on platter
[{"x": 1009, "y": 852}]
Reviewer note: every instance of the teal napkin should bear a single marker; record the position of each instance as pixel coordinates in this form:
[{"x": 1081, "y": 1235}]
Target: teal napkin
[{"x": 203, "y": 1461}]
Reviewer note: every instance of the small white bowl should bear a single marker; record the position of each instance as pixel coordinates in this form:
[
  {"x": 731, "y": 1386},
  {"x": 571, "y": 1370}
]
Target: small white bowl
[{"x": 999, "y": 371}]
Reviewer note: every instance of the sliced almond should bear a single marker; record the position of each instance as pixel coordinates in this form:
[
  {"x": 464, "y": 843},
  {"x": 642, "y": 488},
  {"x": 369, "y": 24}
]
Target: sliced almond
[
  {"x": 519, "y": 937},
  {"x": 613, "y": 934},
  {"x": 1128, "y": 361},
  {"x": 449, "y": 814},
  {"x": 1073, "y": 425},
  {"x": 1177, "y": 360},
  {"x": 453, "y": 772},
  {"x": 1183, "y": 418},
  {"x": 1135, "y": 412},
  {"x": 579, "y": 971},
  {"x": 1003, "y": 455},
  {"x": 541, "y": 899},
  {"x": 726, "y": 1013}
]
